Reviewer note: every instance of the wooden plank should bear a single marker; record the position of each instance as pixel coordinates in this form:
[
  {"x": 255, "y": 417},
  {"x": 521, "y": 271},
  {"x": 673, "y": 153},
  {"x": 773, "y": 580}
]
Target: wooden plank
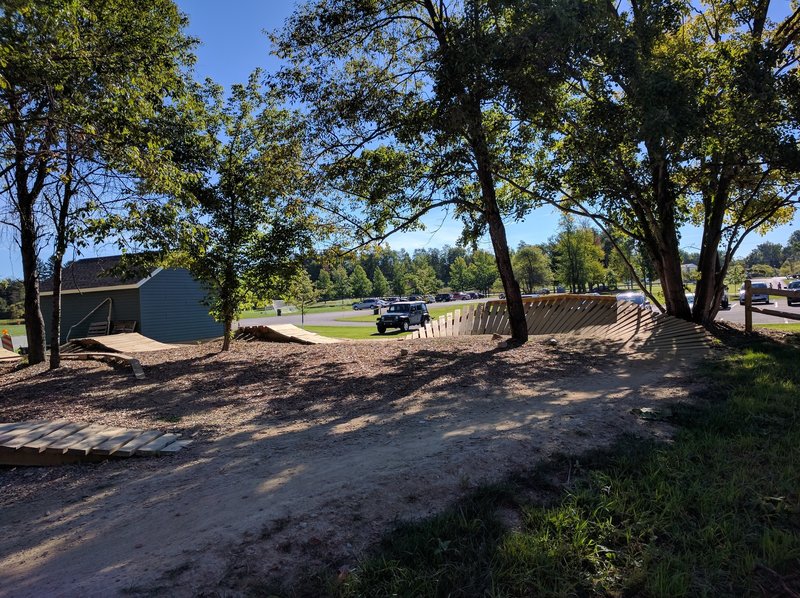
[
  {"x": 22, "y": 439},
  {"x": 130, "y": 447},
  {"x": 476, "y": 318},
  {"x": 457, "y": 322},
  {"x": 11, "y": 425},
  {"x": 90, "y": 441},
  {"x": 22, "y": 429},
  {"x": 107, "y": 447},
  {"x": 42, "y": 443},
  {"x": 138, "y": 372},
  {"x": 154, "y": 446},
  {"x": 61, "y": 445},
  {"x": 175, "y": 446}
]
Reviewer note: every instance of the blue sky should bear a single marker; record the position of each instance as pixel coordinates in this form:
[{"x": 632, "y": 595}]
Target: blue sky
[{"x": 233, "y": 44}]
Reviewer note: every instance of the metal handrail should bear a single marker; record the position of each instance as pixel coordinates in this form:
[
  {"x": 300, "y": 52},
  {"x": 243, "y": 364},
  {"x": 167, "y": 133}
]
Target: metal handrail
[{"x": 108, "y": 319}]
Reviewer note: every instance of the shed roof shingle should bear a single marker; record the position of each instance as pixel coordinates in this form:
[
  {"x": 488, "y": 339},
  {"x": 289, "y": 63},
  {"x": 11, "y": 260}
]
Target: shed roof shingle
[{"x": 91, "y": 273}]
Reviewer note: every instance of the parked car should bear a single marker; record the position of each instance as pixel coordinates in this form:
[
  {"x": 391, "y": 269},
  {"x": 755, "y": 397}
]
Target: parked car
[
  {"x": 758, "y": 295},
  {"x": 369, "y": 304},
  {"x": 404, "y": 315},
  {"x": 793, "y": 286},
  {"x": 638, "y": 298},
  {"x": 442, "y": 297}
]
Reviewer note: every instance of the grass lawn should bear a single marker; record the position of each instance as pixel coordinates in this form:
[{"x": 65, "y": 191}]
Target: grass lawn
[
  {"x": 785, "y": 327},
  {"x": 353, "y": 332},
  {"x": 13, "y": 329},
  {"x": 715, "y": 512}
]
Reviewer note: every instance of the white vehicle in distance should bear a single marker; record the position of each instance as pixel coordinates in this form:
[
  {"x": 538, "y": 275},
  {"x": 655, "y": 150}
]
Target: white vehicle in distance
[
  {"x": 369, "y": 304},
  {"x": 637, "y": 298},
  {"x": 757, "y": 293}
]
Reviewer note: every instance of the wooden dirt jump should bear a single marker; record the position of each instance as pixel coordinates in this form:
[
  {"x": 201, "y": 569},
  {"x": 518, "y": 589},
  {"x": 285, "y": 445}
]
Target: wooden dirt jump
[
  {"x": 114, "y": 348},
  {"x": 621, "y": 324},
  {"x": 283, "y": 333}
]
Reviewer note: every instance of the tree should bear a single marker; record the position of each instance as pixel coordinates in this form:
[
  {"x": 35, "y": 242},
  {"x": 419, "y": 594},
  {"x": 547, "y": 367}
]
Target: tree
[
  {"x": 580, "y": 262},
  {"x": 532, "y": 268},
  {"x": 82, "y": 85},
  {"x": 674, "y": 113},
  {"x": 324, "y": 285},
  {"x": 737, "y": 273},
  {"x": 380, "y": 286},
  {"x": 766, "y": 253},
  {"x": 483, "y": 271},
  {"x": 460, "y": 278},
  {"x": 250, "y": 229},
  {"x": 422, "y": 279},
  {"x": 341, "y": 283},
  {"x": 792, "y": 249},
  {"x": 762, "y": 271},
  {"x": 359, "y": 282},
  {"x": 408, "y": 118},
  {"x": 302, "y": 292}
]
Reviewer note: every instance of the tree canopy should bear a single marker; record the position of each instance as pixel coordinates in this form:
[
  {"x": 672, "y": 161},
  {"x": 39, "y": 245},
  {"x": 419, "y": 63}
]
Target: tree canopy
[{"x": 673, "y": 113}]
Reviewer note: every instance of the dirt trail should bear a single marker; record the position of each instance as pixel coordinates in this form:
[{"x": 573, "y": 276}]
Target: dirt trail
[{"x": 262, "y": 500}]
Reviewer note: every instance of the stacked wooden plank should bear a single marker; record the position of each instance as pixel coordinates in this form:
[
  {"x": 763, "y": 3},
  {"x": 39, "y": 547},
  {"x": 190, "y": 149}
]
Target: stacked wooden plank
[
  {"x": 283, "y": 333},
  {"x": 620, "y": 323},
  {"x": 55, "y": 442}
]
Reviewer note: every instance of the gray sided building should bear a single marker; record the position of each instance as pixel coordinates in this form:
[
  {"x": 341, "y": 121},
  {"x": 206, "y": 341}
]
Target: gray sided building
[{"x": 167, "y": 304}]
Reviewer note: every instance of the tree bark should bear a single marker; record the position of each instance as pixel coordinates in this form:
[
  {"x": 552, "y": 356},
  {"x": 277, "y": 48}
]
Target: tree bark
[
  {"x": 497, "y": 230},
  {"x": 58, "y": 258},
  {"x": 710, "y": 286},
  {"x": 55, "y": 319},
  {"x": 34, "y": 321}
]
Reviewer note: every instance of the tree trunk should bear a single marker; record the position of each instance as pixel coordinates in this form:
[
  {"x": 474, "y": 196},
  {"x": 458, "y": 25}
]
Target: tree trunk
[
  {"x": 34, "y": 321},
  {"x": 55, "y": 320},
  {"x": 58, "y": 257},
  {"x": 497, "y": 230},
  {"x": 662, "y": 241},
  {"x": 227, "y": 333},
  {"x": 708, "y": 293}
]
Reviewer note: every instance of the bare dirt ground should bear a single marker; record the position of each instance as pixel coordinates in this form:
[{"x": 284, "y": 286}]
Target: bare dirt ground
[{"x": 303, "y": 456}]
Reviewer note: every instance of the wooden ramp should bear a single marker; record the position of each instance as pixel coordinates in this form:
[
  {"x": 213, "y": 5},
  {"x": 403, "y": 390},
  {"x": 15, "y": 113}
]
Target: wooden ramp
[
  {"x": 8, "y": 357},
  {"x": 621, "y": 324},
  {"x": 57, "y": 442},
  {"x": 130, "y": 342},
  {"x": 283, "y": 333}
]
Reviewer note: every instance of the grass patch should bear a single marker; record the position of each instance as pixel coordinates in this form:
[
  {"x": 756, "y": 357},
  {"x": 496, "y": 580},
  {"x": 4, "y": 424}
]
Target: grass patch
[
  {"x": 320, "y": 308},
  {"x": 353, "y": 332},
  {"x": 14, "y": 329},
  {"x": 785, "y": 327},
  {"x": 716, "y": 512}
]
